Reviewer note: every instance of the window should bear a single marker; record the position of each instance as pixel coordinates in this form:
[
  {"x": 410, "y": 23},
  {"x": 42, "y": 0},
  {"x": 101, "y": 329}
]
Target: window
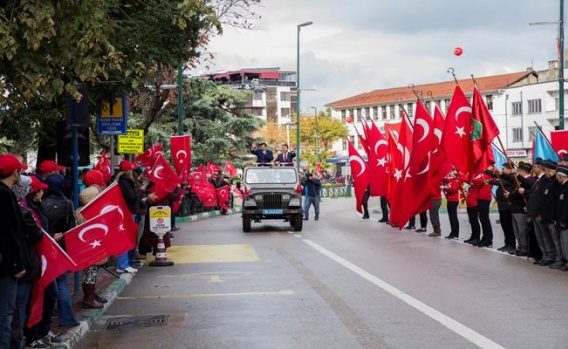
[
  {"x": 410, "y": 109},
  {"x": 270, "y": 95},
  {"x": 343, "y": 115},
  {"x": 447, "y": 104},
  {"x": 384, "y": 112},
  {"x": 285, "y": 112},
  {"x": 429, "y": 106},
  {"x": 392, "y": 112},
  {"x": 285, "y": 96},
  {"x": 400, "y": 110},
  {"x": 352, "y": 139},
  {"x": 535, "y": 106},
  {"x": 257, "y": 95},
  {"x": 352, "y": 115},
  {"x": 358, "y": 116},
  {"x": 375, "y": 113},
  {"x": 517, "y": 108},
  {"x": 367, "y": 112},
  {"x": 533, "y": 130},
  {"x": 489, "y": 102},
  {"x": 257, "y": 111},
  {"x": 344, "y": 144},
  {"x": 517, "y": 135}
]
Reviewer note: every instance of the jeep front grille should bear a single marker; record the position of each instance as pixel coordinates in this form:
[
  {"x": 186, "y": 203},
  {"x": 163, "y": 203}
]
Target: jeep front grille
[{"x": 272, "y": 200}]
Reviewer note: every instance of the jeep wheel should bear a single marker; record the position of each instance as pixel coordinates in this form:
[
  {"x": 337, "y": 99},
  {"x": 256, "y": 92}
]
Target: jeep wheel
[
  {"x": 246, "y": 224},
  {"x": 298, "y": 222}
]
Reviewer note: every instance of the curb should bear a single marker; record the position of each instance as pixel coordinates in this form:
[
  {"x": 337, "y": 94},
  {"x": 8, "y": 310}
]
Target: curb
[
  {"x": 73, "y": 337},
  {"x": 92, "y": 316},
  {"x": 202, "y": 215}
]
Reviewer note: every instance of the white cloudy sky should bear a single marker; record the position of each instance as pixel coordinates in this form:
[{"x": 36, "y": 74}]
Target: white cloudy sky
[{"x": 357, "y": 46}]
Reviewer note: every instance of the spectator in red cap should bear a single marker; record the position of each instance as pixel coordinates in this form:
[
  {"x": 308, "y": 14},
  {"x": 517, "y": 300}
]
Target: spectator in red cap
[
  {"x": 12, "y": 243},
  {"x": 127, "y": 186},
  {"x": 48, "y": 167}
]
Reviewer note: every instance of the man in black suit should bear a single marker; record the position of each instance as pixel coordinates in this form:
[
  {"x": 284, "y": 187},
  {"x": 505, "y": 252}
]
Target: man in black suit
[
  {"x": 285, "y": 158},
  {"x": 263, "y": 156}
]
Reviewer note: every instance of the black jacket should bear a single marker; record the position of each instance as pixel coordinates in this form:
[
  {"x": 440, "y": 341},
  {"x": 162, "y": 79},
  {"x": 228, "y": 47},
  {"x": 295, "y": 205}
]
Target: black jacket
[
  {"x": 562, "y": 207},
  {"x": 33, "y": 236},
  {"x": 12, "y": 240},
  {"x": 128, "y": 190},
  {"x": 59, "y": 212},
  {"x": 536, "y": 195}
]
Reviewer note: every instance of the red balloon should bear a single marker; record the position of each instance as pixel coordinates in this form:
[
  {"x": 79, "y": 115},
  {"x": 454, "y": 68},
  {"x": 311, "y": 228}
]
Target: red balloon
[
  {"x": 349, "y": 119},
  {"x": 458, "y": 51}
]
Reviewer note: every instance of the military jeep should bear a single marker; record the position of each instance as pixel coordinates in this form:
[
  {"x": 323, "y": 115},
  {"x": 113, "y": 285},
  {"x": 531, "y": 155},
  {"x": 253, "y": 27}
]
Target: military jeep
[{"x": 272, "y": 193}]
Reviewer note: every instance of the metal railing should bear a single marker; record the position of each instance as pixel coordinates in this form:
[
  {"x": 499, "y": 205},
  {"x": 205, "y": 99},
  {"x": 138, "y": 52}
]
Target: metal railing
[{"x": 336, "y": 192}]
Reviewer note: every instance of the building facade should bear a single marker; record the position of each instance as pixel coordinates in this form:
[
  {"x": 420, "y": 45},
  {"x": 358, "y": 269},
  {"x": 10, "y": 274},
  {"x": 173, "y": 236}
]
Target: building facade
[
  {"x": 271, "y": 92},
  {"x": 517, "y": 101}
]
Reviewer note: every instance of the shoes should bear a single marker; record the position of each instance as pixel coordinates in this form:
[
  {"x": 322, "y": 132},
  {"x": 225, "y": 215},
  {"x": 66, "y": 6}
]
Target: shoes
[
  {"x": 139, "y": 256},
  {"x": 410, "y": 227},
  {"x": 545, "y": 262},
  {"x": 394, "y": 225},
  {"x": 507, "y": 249},
  {"x": 51, "y": 338},
  {"x": 315, "y": 219},
  {"x": 100, "y": 299},
  {"x": 383, "y": 220},
  {"x": 483, "y": 243},
  {"x": 421, "y": 230},
  {"x": 468, "y": 240},
  {"x": 365, "y": 217},
  {"x": 39, "y": 344},
  {"x": 127, "y": 270},
  {"x": 557, "y": 265},
  {"x": 519, "y": 253},
  {"x": 305, "y": 218},
  {"x": 175, "y": 229},
  {"x": 451, "y": 237},
  {"x": 472, "y": 241},
  {"x": 434, "y": 233},
  {"x": 565, "y": 267}
]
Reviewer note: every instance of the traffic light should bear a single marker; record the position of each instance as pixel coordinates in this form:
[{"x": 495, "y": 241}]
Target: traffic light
[{"x": 65, "y": 145}]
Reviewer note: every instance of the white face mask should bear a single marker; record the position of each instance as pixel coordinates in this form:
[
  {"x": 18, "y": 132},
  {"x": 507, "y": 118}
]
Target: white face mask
[{"x": 22, "y": 187}]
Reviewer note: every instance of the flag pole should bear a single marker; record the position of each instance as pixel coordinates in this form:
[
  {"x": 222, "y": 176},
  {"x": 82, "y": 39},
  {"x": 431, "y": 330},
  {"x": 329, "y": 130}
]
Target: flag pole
[
  {"x": 452, "y": 71},
  {"x": 542, "y": 133},
  {"x": 407, "y": 117}
]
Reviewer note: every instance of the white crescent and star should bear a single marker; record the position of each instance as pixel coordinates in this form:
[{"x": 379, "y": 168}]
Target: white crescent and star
[
  {"x": 360, "y": 161},
  {"x": 43, "y": 264},
  {"x": 460, "y": 130},
  {"x": 109, "y": 208},
  {"x": 425, "y": 127},
  {"x": 427, "y": 167},
  {"x": 378, "y": 144},
  {"x": 562, "y": 151},
  {"x": 94, "y": 243},
  {"x": 157, "y": 171},
  {"x": 438, "y": 134},
  {"x": 178, "y": 156}
]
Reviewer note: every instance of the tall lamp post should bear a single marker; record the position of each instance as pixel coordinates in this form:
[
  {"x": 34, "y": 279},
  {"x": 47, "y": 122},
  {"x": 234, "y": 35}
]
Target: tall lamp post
[
  {"x": 317, "y": 138},
  {"x": 560, "y": 24},
  {"x": 298, "y": 92},
  {"x": 179, "y": 88}
]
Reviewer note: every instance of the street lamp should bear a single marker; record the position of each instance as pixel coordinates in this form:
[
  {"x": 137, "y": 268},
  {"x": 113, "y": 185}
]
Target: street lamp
[
  {"x": 179, "y": 88},
  {"x": 288, "y": 125},
  {"x": 560, "y": 24},
  {"x": 317, "y": 138},
  {"x": 298, "y": 92}
]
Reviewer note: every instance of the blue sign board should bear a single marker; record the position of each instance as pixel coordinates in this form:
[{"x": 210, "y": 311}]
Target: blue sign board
[{"x": 112, "y": 118}]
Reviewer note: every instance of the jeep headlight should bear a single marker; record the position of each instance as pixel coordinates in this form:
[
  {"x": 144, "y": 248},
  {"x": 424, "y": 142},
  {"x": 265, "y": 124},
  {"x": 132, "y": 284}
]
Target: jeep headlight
[
  {"x": 258, "y": 197},
  {"x": 286, "y": 197}
]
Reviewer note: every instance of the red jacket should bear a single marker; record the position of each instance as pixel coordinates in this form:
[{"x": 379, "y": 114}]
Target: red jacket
[
  {"x": 483, "y": 190},
  {"x": 452, "y": 187}
]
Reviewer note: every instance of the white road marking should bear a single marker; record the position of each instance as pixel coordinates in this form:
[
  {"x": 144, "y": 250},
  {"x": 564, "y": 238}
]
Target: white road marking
[{"x": 459, "y": 328}]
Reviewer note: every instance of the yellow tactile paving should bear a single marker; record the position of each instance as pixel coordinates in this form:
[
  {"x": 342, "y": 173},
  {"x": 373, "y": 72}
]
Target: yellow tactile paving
[{"x": 212, "y": 253}]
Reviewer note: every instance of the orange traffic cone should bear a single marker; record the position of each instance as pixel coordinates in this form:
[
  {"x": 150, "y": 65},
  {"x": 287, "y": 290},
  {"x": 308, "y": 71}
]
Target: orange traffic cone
[{"x": 161, "y": 257}]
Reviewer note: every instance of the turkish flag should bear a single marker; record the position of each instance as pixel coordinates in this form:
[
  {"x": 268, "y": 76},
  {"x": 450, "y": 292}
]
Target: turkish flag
[
  {"x": 206, "y": 193},
  {"x": 484, "y": 130},
  {"x": 456, "y": 140},
  {"x": 230, "y": 168},
  {"x": 54, "y": 262},
  {"x": 107, "y": 200},
  {"x": 103, "y": 165},
  {"x": 378, "y": 162},
  {"x": 401, "y": 149},
  {"x": 415, "y": 188},
  {"x": 201, "y": 169},
  {"x": 223, "y": 197},
  {"x": 363, "y": 141},
  {"x": 99, "y": 238},
  {"x": 213, "y": 168},
  {"x": 181, "y": 153},
  {"x": 164, "y": 178},
  {"x": 439, "y": 165},
  {"x": 360, "y": 175},
  {"x": 149, "y": 156},
  {"x": 559, "y": 140}
]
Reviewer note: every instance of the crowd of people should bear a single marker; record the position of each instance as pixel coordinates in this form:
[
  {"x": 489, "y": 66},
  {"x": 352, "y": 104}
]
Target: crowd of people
[{"x": 532, "y": 201}]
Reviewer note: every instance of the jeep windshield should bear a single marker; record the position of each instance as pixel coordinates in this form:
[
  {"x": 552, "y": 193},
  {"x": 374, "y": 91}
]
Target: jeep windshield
[{"x": 265, "y": 175}]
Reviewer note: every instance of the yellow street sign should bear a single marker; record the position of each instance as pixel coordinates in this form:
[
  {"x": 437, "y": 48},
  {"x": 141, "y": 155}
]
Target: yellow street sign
[
  {"x": 132, "y": 142},
  {"x": 113, "y": 110}
]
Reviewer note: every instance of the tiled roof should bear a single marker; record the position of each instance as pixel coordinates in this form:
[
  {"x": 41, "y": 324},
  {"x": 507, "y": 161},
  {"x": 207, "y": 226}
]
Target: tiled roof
[{"x": 440, "y": 89}]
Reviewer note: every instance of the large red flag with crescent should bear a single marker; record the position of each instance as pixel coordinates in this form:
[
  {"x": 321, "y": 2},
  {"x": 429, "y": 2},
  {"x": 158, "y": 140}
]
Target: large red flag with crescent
[
  {"x": 98, "y": 238},
  {"x": 181, "y": 153},
  {"x": 360, "y": 175},
  {"x": 108, "y": 200},
  {"x": 456, "y": 140},
  {"x": 230, "y": 168},
  {"x": 484, "y": 130},
  {"x": 164, "y": 178},
  {"x": 559, "y": 141},
  {"x": 223, "y": 197},
  {"x": 149, "y": 156},
  {"x": 54, "y": 262},
  {"x": 400, "y": 149},
  {"x": 378, "y": 162}
]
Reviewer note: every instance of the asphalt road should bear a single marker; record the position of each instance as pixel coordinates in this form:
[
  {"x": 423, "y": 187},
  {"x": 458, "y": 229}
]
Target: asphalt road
[{"x": 343, "y": 282}]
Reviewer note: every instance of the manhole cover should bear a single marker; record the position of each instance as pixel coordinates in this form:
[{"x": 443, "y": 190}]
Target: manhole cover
[{"x": 137, "y": 322}]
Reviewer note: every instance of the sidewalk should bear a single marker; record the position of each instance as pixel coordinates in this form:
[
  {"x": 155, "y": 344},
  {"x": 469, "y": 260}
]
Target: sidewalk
[{"x": 110, "y": 287}]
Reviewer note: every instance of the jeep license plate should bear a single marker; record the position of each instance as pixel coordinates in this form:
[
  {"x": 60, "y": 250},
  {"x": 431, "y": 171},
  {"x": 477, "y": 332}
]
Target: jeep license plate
[{"x": 272, "y": 211}]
